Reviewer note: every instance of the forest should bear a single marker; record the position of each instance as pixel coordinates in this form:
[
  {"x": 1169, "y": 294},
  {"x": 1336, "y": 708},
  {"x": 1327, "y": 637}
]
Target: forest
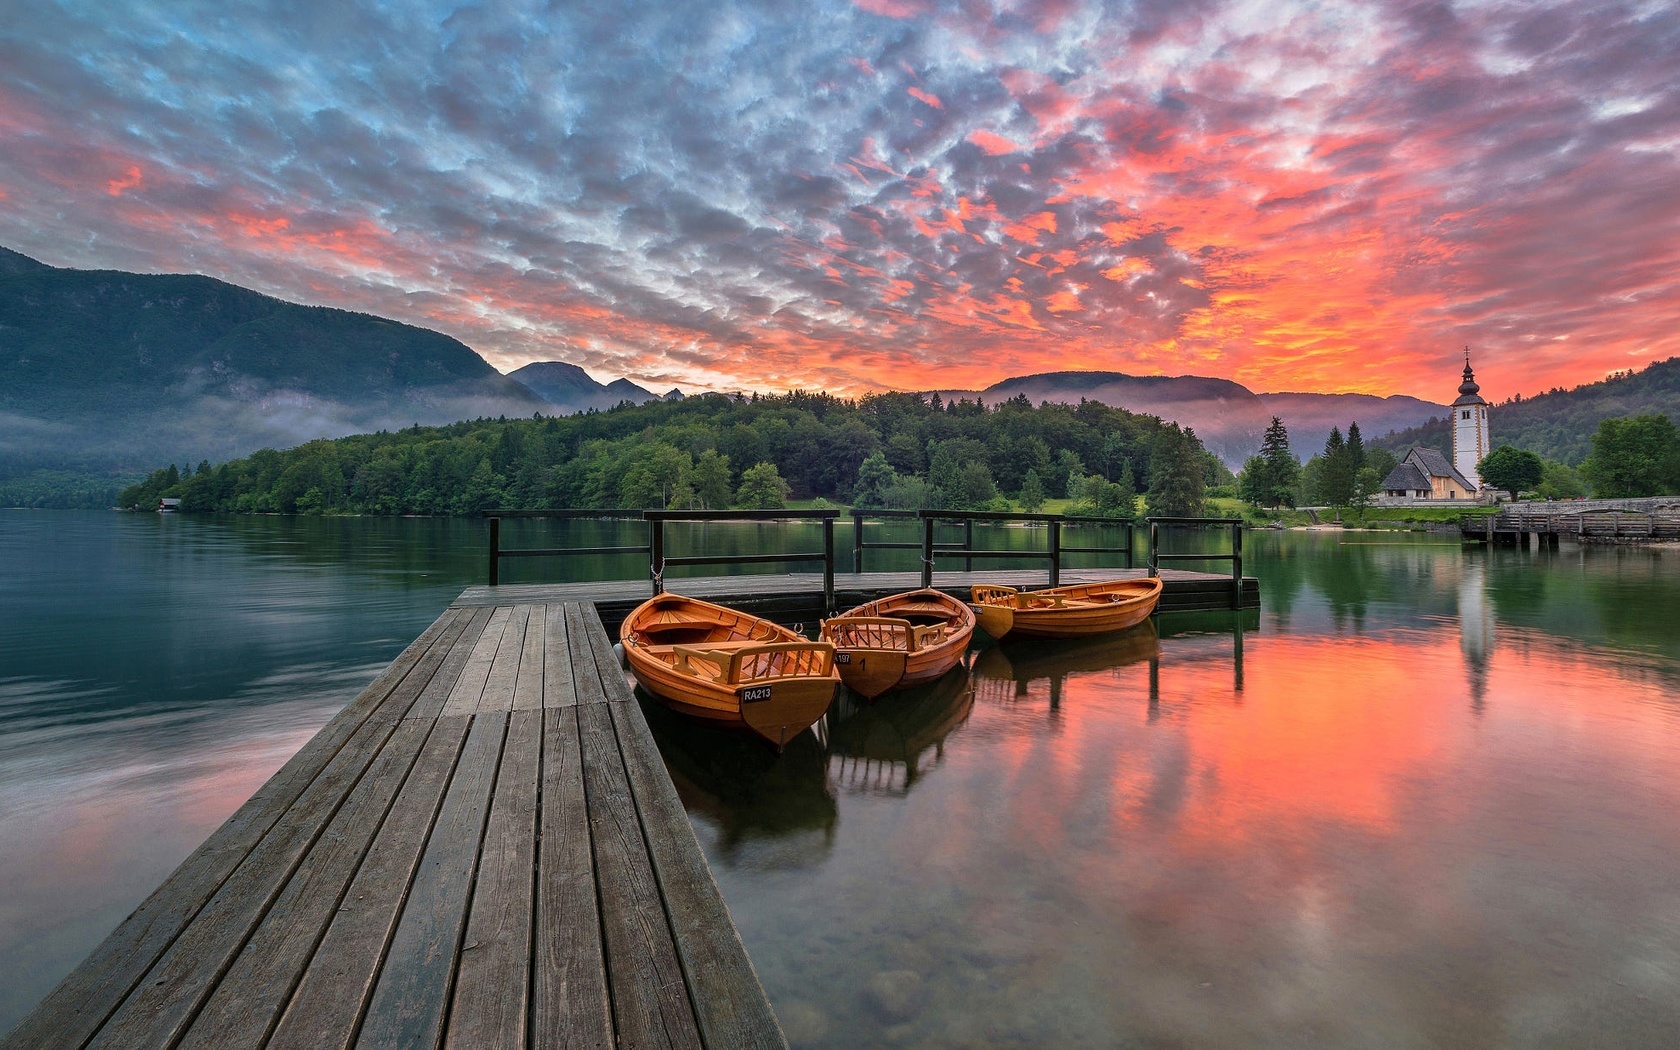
[{"x": 715, "y": 451}]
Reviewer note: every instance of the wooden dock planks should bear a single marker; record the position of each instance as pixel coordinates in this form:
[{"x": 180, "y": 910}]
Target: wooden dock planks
[{"x": 482, "y": 850}]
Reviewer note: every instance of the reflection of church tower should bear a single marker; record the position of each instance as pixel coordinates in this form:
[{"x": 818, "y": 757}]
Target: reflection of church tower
[
  {"x": 1470, "y": 426},
  {"x": 1475, "y": 628}
]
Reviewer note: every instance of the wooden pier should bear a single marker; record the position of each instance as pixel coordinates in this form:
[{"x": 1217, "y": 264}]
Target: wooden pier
[
  {"x": 1521, "y": 527},
  {"x": 483, "y": 849}
]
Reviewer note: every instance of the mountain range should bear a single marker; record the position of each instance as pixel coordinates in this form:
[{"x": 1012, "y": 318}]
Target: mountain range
[
  {"x": 1229, "y": 418},
  {"x": 103, "y": 370},
  {"x": 110, "y": 373}
]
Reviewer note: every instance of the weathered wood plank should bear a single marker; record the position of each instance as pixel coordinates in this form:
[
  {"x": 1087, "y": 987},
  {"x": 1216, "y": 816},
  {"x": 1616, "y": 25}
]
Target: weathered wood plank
[
  {"x": 493, "y": 978},
  {"x": 586, "y": 682},
  {"x": 571, "y": 1005},
  {"x": 443, "y": 682},
  {"x": 503, "y": 679},
  {"x": 650, "y": 1000},
  {"x": 724, "y": 989},
  {"x": 326, "y": 1007},
  {"x": 247, "y": 1001},
  {"x": 70, "y": 1014},
  {"x": 412, "y": 993},
  {"x": 558, "y": 690},
  {"x": 463, "y": 699},
  {"x": 164, "y": 1001},
  {"x": 528, "y": 692}
]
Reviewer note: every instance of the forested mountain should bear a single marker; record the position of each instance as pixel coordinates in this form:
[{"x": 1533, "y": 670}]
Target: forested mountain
[
  {"x": 1559, "y": 424},
  {"x": 1228, "y": 417},
  {"x": 570, "y": 389},
  {"x": 103, "y": 370},
  {"x": 917, "y": 451}
]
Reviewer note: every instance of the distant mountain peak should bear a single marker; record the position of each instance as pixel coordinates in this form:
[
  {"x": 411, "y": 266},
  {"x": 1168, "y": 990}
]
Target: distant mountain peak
[{"x": 569, "y": 388}]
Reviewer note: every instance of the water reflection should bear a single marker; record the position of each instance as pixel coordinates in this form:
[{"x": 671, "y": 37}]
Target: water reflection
[
  {"x": 1424, "y": 798},
  {"x": 888, "y": 745},
  {"x": 747, "y": 790}
]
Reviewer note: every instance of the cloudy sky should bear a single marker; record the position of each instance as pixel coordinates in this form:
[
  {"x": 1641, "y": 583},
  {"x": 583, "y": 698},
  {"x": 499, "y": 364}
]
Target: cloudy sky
[{"x": 1295, "y": 194}]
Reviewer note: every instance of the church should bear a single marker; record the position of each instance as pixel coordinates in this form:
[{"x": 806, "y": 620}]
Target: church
[{"x": 1424, "y": 473}]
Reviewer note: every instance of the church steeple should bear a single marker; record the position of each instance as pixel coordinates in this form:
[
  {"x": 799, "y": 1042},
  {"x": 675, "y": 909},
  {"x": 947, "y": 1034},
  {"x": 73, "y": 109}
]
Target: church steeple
[
  {"x": 1471, "y": 441},
  {"x": 1469, "y": 385}
]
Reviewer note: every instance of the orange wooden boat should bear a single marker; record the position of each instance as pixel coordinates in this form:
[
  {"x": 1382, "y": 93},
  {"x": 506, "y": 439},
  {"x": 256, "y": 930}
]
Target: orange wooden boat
[
  {"x": 729, "y": 667},
  {"x": 1064, "y": 612},
  {"x": 898, "y": 641}
]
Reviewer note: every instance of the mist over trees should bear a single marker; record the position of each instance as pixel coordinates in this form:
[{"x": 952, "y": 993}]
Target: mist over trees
[{"x": 893, "y": 450}]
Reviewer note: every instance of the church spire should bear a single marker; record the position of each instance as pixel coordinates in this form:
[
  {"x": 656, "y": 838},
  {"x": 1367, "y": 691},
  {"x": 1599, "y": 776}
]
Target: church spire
[{"x": 1469, "y": 385}]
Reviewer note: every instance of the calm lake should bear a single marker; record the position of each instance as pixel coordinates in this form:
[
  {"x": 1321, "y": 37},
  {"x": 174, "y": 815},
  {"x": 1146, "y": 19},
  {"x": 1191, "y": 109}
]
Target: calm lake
[{"x": 1425, "y": 797}]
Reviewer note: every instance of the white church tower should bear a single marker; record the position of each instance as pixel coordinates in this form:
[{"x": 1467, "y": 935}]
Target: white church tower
[{"x": 1471, "y": 443}]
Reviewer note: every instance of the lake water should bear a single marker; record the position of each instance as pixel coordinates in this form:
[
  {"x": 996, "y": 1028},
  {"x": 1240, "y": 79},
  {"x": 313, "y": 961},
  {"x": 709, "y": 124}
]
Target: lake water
[{"x": 1426, "y": 797}]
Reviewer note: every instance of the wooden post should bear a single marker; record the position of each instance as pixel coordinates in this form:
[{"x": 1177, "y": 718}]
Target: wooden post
[
  {"x": 968, "y": 544},
  {"x": 1236, "y": 567},
  {"x": 927, "y": 551},
  {"x": 828, "y": 566},
  {"x": 495, "y": 550},
  {"x": 1131, "y": 538},
  {"x": 1154, "y": 549},
  {"x": 857, "y": 541},
  {"x": 1055, "y": 546},
  {"x": 656, "y": 554}
]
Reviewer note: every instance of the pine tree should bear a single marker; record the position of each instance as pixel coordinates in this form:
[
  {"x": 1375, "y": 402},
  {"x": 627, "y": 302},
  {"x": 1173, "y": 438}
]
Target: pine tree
[
  {"x": 1175, "y": 474},
  {"x": 1335, "y": 483},
  {"x": 1355, "y": 448}
]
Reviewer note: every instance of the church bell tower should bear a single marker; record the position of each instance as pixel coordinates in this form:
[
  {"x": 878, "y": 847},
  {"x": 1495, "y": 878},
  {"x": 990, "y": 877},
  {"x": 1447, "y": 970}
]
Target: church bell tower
[{"x": 1470, "y": 426}]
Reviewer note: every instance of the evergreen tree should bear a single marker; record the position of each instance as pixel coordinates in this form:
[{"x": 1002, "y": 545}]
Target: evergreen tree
[
  {"x": 1270, "y": 478},
  {"x": 1175, "y": 474},
  {"x": 1355, "y": 449},
  {"x": 1336, "y": 477}
]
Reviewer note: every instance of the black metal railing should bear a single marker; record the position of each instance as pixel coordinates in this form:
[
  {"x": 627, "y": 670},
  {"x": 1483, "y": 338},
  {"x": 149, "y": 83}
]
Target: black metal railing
[
  {"x": 931, "y": 549},
  {"x": 1232, "y": 525},
  {"x": 654, "y": 548},
  {"x": 658, "y": 561},
  {"x": 498, "y": 552}
]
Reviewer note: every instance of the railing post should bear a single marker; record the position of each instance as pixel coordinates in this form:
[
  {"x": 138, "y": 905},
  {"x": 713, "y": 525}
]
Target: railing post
[
  {"x": 968, "y": 544},
  {"x": 857, "y": 541},
  {"x": 1154, "y": 549},
  {"x": 656, "y": 554},
  {"x": 828, "y": 566},
  {"x": 927, "y": 550},
  {"x": 1236, "y": 567},
  {"x": 1055, "y": 546},
  {"x": 495, "y": 550},
  {"x": 1131, "y": 539}
]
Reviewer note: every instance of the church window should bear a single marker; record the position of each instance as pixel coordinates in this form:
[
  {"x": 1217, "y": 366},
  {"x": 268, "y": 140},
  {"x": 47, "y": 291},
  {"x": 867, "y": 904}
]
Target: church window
[{"x": 1467, "y": 413}]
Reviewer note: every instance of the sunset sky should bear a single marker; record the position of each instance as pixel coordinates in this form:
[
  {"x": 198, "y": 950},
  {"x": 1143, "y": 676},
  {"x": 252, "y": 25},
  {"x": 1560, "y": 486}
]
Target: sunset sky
[{"x": 894, "y": 194}]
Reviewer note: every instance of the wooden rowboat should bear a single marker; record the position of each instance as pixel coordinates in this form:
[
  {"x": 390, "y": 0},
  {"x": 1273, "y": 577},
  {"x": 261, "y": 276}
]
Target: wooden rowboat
[
  {"x": 899, "y": 641},
  {"x": 728, "y": 667},
  {"x": 1064, "y": 612}
]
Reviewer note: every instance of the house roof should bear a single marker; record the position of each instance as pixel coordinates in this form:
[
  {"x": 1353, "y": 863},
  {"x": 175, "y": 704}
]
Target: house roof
[
  {"x": 1436, "y": 465},
  {"x": 1405, "y": 477}
]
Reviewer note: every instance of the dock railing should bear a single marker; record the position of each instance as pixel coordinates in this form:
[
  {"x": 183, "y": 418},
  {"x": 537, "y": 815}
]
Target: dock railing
[
  {"x": 498, "y": 552},
  {"x": 1054, "y": 550},
  {"x": 658, "y": 561},
  {"x": 1232, "y": 525},
  {"x": 654, "y": 548}
]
